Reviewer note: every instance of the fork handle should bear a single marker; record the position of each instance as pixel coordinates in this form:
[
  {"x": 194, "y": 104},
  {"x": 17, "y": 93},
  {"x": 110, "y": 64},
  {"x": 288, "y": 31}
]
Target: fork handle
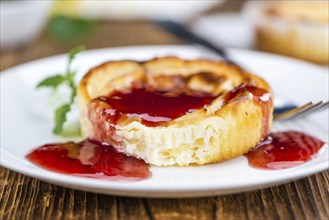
[
  {"x": 181, "y": 32},
  {"x": 284, "y": 108}
]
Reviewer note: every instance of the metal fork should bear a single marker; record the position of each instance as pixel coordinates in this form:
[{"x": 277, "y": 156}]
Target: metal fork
[{"x": 301, "y": 111}]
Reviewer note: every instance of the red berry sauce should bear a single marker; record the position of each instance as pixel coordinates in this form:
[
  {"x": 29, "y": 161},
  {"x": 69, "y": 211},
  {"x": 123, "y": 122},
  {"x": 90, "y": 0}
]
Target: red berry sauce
[
  {"x": 89, "y": 158},
  {"x": 284, "y": 150},
  {"x": 155, "y": 107},
  {"x": 152, "y": 108}
]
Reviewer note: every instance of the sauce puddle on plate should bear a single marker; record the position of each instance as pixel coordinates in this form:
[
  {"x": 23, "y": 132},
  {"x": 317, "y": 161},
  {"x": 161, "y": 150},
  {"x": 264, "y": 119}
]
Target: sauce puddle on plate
[
  {"x": 90, "y": 158},
  {"x": 284, "y": 150}
]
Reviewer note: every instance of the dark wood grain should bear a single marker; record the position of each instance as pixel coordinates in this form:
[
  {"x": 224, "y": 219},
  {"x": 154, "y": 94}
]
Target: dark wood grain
[{"x": 22, "y": 197}]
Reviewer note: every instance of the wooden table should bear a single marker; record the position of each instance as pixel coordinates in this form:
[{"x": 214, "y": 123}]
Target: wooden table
[{"x": 22, "y": 197}]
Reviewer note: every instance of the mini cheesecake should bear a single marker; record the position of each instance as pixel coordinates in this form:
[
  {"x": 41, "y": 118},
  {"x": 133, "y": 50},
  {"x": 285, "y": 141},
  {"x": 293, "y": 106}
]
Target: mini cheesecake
[
  {"x": 295, "y": 28},
  {"x": 171, "y": 111}
]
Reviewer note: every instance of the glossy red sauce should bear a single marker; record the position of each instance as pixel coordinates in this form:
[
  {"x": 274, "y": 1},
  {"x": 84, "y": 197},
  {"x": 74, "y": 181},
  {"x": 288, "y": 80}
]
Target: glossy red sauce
[
  {"x": 89, "y": 158},
  {"x": 152, "y": 108},
  {"x": 155, "y": 107},
  {"x": 284, "y": 150}
]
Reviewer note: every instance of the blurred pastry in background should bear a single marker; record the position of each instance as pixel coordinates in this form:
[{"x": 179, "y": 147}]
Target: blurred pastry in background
[{"x": 295, "y": 28}]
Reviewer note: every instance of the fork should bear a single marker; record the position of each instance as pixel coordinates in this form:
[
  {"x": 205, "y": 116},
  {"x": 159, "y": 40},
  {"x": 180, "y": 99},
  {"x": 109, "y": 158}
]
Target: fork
[{"x": 301, "y": 111}]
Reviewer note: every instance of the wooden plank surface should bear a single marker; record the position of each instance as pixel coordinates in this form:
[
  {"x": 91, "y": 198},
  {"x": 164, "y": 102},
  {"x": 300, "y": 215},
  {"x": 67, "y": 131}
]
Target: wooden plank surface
[{"x": 22, "y": 197}]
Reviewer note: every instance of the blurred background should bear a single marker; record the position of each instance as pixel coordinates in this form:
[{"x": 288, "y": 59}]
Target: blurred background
[{"x": 37, "y": 28}]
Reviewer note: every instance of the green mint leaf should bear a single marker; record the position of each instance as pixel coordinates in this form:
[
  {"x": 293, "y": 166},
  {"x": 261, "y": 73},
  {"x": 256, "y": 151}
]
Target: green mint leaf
[
  {"x": 52, "y": 81},
  {"x": 60, "y": 117},
  {"x": 74, "y": 52},
  {"x": 74, "y": 93},
  {"x": 70, "y": 76}
]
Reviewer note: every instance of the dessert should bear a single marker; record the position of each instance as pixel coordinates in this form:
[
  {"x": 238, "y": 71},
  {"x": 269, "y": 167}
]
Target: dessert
[
  {"x": 170, "y": 111},
  {"x": 295, "y": 28}
]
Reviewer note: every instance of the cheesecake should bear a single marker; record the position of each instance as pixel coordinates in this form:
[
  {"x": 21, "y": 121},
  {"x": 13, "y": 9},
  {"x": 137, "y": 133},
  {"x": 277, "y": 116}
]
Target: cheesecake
[{"x": 172, "y": 111}]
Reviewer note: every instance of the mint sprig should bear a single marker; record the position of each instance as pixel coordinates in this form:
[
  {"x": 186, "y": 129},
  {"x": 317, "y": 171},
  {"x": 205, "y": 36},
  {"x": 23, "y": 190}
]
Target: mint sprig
[
  {"x": 60, "y": 117},
  {"x": 57, "y": 80},
  {"x": 52, "y": 81}
]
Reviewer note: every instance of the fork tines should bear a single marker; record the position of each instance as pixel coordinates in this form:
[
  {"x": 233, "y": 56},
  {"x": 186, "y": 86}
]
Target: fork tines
[{"x": 302, "y": 111}]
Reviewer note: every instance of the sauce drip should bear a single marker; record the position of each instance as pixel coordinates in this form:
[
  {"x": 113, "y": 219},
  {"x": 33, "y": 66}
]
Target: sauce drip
[
  {"x": 260, "y": 96},
  {"x": 284, "y": 150},
  {"x": 89, "y": 158},
  {"x": 155, "y": 107}
]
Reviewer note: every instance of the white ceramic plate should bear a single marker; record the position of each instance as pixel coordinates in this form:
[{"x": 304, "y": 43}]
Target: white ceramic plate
[{"x": 26, "y": 122}]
